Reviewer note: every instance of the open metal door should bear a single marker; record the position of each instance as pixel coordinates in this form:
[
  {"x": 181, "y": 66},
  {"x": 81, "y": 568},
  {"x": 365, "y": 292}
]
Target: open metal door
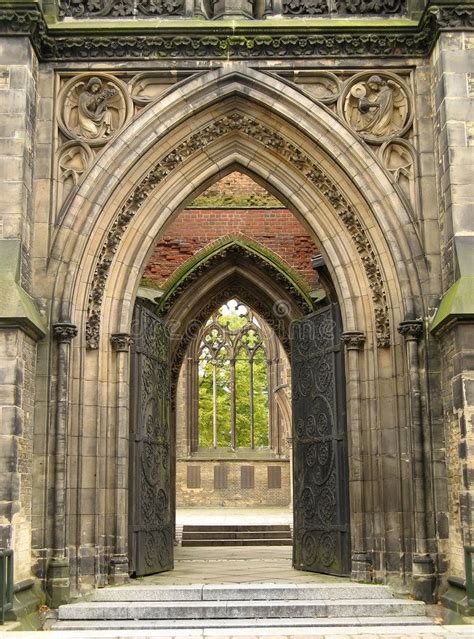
[
  {"x": 150, "y": 504},
  {"x": 321, "y": 494}
]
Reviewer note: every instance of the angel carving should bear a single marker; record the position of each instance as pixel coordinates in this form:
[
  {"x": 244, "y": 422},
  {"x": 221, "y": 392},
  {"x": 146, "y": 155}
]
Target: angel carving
[
  {"x": 94, "y": 117},
  {"x": 376, "y": 108},
  {"x": 93, "y": 110}
]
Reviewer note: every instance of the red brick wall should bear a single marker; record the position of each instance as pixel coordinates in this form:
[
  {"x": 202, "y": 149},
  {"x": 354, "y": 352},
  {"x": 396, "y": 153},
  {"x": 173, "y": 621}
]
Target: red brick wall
[{"x": 276, "y": 229}]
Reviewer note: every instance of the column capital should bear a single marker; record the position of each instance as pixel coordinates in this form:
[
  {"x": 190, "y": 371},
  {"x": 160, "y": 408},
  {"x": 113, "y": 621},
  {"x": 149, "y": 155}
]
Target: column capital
[
  {"x": 353, "y": 340},
  {"x": 121, "y": 342},
  {"x": 412, "y": 330},
  {"x": 64, "y": 332}
]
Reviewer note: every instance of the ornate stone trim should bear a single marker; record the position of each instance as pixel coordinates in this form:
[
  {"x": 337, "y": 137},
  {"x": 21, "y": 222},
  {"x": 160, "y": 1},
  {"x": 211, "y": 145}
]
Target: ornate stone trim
[
  {"x": 412, "y": 330},
  {"x": 277, "y": 143},
  {"x": 225, "y": 44},
  {"x": 120, "y": 8},
  {"x": 234, "y": 251},
  {"x": 121, "y": 342},
  {"x": 353, "y": 340},
  {"x": 64, "y": 332}
]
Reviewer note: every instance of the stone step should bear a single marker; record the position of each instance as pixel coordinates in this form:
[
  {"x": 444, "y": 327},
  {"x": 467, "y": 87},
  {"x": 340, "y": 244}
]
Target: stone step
[
  {"x": 248, "y": 624},
  {"x": 244, "y": 591},
  {"x": 235, "y": 542},
  {"x": 232, "y": 534},
  {"x": 234, "y": 609},
  {"x": 236, "y": 528}
]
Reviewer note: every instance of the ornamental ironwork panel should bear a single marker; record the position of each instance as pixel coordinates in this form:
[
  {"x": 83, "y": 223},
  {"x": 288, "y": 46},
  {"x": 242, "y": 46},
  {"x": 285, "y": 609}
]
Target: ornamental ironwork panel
[
  {"x": 321, "y": 520},
  {"x": 150, "y": 507}
]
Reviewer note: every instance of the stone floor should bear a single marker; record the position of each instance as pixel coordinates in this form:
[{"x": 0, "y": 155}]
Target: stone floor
[
  {"x": 374, "y": 632},
  {"x": 237, "y": 564}
]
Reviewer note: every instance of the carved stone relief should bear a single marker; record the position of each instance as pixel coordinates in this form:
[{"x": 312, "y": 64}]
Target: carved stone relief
[
  {"x": 305, "y": 7},
  {"x": 377, "y": 106},
  {"x": 398, "y": 156},
  {"x": 245, "y": 125},
  {"x": 73, "y": 159},
  {"x": 92, "y": 108},
  {"x": 119, "y": 8},
  {"x": 322, "y": 86}
]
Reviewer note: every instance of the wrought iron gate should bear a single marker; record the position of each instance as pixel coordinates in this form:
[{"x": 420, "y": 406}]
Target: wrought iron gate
[
  {"x": 150, "y": 516},
  {"x": 321, "y": 520}
]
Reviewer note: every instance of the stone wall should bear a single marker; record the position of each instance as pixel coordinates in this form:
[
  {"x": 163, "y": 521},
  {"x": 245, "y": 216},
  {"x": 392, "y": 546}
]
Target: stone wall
[
  {"x": 18, "y": 113},
  {"x": 453, "y": 105},
  {"x": 17, "y": 366},
  {"x": 208, "y": 495}
]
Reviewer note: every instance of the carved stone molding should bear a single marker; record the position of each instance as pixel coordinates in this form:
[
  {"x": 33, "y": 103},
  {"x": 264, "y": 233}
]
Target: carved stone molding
[
  {"x": 378, "y": 106},
  {"x": 305, "y": 7},
  {"x": 132, "y": 43},
  {"x": 236, "y": 253},
  {"x": 64, "y": 332},
  {"x": 93, "y": 107},
  {"x": 375, "y": 7},
  {"x": 121, "y": 342},
  {"x": 245, "y": 125},
  {"x": 120, "y": 8},
  {"x": 353, "y": 340},
  {"x": 412, "y": 330}
]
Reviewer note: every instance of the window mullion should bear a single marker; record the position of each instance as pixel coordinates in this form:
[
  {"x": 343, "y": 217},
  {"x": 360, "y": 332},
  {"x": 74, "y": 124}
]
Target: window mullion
[
  {"x": 252, "y": 426},
  {"x": 233, "y": 404},
  {"x": 214, "y": 405}
]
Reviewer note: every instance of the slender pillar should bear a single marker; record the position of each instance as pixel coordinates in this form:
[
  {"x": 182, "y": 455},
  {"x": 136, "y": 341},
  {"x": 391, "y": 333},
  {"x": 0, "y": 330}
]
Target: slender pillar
[
  {"x": 118, "y": 566},
  {"x": 361, "y": 559},
  {"x": 424, "y": 576},
  {"x": 58, "y": 579},
  {"x": 233, "y": 412}
]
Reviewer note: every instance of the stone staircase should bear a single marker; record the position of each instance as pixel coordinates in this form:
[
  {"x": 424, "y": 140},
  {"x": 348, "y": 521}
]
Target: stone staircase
[
  {"x": 244, "y": 606},
  {"x": 233, "y": 535}
]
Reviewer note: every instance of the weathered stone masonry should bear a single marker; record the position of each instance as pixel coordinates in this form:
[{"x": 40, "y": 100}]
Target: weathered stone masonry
[{"x": 362, "y": 129}]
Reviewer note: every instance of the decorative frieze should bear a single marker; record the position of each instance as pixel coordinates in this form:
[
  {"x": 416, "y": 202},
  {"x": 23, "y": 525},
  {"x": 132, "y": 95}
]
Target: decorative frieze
[
  {"x": 328, "y": 188},
  {"x": 120, "y": 8},
  {"x": 225, "y": 44}
]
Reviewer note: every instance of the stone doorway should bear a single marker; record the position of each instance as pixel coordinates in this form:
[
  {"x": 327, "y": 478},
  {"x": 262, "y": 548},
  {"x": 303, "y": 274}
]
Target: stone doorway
[{"x": 224, "y": 436}]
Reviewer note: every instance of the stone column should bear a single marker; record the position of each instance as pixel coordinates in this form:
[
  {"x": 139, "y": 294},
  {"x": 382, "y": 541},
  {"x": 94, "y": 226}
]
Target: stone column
[
  {"x": 424, "y": 577},
  {"x": 58, "y": 580},
  {"x": 118, "y": 567},
  {"x": 361, "y": 560}
]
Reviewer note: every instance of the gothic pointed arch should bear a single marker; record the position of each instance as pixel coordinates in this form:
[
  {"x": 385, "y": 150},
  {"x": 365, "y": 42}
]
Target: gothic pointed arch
[{"x": 236, "y": 249}]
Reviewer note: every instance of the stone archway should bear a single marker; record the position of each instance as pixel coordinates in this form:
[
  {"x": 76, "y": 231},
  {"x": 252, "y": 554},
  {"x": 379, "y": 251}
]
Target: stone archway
[
  {"x": 320, "y": 170},
  {"x": 236, "y": 269}
]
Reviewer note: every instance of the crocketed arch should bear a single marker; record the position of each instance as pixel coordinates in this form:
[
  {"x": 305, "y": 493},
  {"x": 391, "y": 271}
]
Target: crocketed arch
[
  {"x": 372, "y": 228},
  {"x": 239, "y": 251}
]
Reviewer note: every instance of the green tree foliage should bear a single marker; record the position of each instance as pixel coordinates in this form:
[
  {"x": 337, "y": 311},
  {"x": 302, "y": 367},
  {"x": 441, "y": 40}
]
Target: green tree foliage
[{"x": 215, "y": 360}]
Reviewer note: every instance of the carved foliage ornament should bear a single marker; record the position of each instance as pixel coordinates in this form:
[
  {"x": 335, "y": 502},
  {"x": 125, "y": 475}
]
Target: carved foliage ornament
[
  {"x": 92, "y": 108},
  {"x": 277, "y": 143},
  {"x": 119, "y": 8},
  {"x": 402, "y": 42},
  {"x": 376, "y": 106}
]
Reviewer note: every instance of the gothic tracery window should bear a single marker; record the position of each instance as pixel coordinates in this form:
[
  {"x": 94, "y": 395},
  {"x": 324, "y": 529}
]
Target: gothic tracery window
[{"x": 233, "y": 406}]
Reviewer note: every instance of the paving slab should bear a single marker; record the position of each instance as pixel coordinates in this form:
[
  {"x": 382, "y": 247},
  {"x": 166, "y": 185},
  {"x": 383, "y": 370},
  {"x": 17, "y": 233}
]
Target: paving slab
[{"x": 363, "y": 632}]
